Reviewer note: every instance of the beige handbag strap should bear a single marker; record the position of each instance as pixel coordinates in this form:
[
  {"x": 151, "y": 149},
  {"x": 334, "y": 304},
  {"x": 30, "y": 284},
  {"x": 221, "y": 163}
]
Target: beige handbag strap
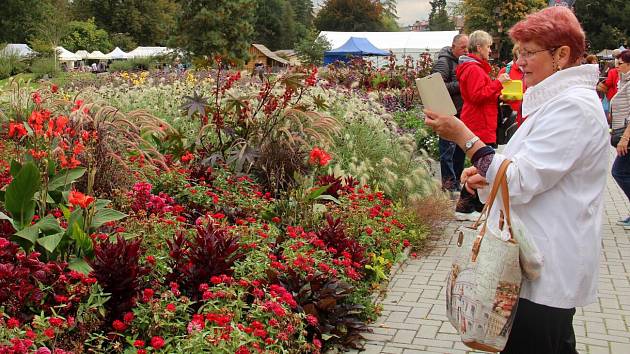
[{"x": 500, "y": 181}]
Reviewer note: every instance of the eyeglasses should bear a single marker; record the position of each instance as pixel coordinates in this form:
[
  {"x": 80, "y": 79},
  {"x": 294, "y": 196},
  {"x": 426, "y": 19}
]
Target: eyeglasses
[{"x": 526, "y": 54}]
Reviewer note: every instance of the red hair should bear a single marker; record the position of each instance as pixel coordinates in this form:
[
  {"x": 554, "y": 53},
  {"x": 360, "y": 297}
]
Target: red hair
[{"x": 552, "y": 27}]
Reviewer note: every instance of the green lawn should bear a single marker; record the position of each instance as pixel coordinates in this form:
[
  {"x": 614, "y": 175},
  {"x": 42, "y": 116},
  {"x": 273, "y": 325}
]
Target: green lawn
[{"x": 59, "y": 80}]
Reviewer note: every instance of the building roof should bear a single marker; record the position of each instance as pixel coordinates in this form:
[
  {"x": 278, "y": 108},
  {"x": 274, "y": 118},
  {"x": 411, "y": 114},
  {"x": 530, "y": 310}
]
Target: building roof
[
  {"x": 117, "y": 53},
  {"x": 65, "y": 55},
  {"x": 285, "y": 53},
  {"x": 82, "y": 53},
  {"x": 97, "y": 55},
  {"x": 148, "y": 52},
  {"x": 394, "y": 41},
  {"x": 357, "y": 46},
  {"x": 269, "y": 54},
  {"x": 20, "y": 49}
]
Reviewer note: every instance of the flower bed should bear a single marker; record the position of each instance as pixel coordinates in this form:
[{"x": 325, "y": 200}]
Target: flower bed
[{"x": 212, "y": 239}]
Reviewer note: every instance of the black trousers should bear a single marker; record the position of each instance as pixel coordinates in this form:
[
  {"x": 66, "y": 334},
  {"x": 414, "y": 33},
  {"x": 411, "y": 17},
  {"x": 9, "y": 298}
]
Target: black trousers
[{"x": 540, "y": 329}]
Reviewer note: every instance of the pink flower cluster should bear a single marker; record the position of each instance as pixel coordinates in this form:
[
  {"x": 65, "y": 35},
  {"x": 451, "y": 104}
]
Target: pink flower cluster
[{"x": 150, "y": 203}]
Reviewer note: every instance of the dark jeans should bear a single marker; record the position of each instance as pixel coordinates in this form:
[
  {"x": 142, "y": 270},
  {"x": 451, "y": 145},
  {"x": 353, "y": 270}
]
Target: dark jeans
[
  {"x": 451, "y": 164},
  {"x": 541, "y": 329},
  {"x": 621, "y": 173}
]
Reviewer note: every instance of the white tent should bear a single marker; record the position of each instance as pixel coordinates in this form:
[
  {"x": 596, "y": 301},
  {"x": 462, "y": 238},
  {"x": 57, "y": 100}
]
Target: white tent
[
  {"x": 65, "y": 55},
  {"x": 148, "y": 52},
  {"x": 117, "y": 53},
  {"x": 83, "y": 54},
  {"x": 399, "y": 43},
  {"x": 97, "y": 55},
  {"x": 20, "y": 49}
]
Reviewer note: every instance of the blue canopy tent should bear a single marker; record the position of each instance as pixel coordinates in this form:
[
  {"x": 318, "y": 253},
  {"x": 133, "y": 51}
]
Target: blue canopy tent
[{"x": 355, "y": 46}]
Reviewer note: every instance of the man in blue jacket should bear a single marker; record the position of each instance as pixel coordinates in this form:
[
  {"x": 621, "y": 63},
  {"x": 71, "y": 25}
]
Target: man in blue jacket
[{"x": 451, "y": 156}]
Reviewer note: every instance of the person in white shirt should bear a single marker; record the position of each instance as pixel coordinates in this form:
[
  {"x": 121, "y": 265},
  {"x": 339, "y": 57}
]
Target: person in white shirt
[{"x": 556, "y": 180}]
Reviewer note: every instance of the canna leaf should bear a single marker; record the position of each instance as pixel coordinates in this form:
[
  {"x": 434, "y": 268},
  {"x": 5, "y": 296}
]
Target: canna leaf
[
  {"x": 50, "y": 242},
  {"x": 18, "y": 199},
  {"x": 65, "y": 178}
]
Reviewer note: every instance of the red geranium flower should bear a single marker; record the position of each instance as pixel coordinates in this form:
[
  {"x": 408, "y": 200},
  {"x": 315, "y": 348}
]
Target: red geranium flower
[
  {"x": 119, "y": 326},
  {"x": 138, "y": 343},
  {"x": 157, "y": 342},
  {"x": 55, "y": 321}
]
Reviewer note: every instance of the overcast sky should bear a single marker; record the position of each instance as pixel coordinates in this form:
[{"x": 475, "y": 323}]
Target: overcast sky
[{"x": 408, "y": 10}]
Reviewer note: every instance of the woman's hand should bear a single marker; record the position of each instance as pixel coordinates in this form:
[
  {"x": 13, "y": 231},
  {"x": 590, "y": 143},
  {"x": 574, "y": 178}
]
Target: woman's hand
[
  {"x": 472, "y": 179},
  {"x": 503, "y": 78},
  {"x": 622, "y": 147},
  {"x": 447, "y": 127}
]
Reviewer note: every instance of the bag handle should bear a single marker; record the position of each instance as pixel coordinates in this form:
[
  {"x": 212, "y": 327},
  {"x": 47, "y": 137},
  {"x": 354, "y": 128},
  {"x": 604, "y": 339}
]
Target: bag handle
[
  {"x": 500, "y": 181},
  {"x": 493, "y": 192}
]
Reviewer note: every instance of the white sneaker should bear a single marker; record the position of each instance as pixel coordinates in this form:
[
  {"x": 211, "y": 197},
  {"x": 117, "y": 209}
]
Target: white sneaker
[{"x": 467, "y": 216}]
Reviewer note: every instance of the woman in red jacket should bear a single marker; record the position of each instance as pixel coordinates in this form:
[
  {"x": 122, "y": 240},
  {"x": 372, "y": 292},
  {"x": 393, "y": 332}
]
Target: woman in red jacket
[
  {"x": 479, "y": 91},
  {"x": 479, "y": 113}
]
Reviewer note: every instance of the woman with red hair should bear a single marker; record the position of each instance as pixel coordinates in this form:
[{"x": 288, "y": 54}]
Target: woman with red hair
[{"x": 560, "y": 156}]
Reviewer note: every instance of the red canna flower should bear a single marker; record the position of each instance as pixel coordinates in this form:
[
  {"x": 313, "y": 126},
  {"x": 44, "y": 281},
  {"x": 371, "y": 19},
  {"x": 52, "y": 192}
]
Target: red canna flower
[
  {"x": 79, "y": 199},
  {"x": 37, "y": 98},
  {"x": 187, "y": 157},
  {"x": 54, "y": 88},
  {"x": 77, "y": 105},
  {"x": 17, "y": 130},
  {"x": 319, "y": 157}
]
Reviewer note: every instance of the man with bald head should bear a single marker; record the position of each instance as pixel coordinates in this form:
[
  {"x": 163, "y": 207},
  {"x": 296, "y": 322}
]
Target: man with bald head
[{"x": 451, "y": 156}]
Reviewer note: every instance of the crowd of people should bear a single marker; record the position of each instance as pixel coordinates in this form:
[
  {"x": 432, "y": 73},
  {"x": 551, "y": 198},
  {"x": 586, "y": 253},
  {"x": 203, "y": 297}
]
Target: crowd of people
[
  {"x": 559, "y": 153},
  {"x": 466, "y": 70}
]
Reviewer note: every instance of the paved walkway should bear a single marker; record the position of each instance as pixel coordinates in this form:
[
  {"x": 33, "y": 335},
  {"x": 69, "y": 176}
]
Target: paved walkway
[{"x": 414, "y": 318}]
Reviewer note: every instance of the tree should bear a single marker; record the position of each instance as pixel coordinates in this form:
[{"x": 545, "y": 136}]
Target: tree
[
  {"x": 497, "y": 17},
  {"x": 53, "y": 26},
  {"x": 217, "y": 27},
  {"x": 85, "y": 35},
  {"x": 19, "y": 19},
  {"x": 605, "y": 22},
  {"x": 123, "y": 41},
  {"x": 311, "y": 48},
  {"x": 390, "y": 16},
  {"x": 350, "y": 15},
  {"x": 148, "y": 22},
  {"x": 275, "y": 25},
  {"x": 438, "y": 18},
  {"x": 303, "y": 10}
]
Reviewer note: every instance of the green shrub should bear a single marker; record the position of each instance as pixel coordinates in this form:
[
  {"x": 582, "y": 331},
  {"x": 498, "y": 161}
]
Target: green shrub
[
  {"x": 45, "y": 66},
  {"x": 11, "y": 64},
  {"x": 132, "y": 64},
  {"x": 412, "y": 122}
]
